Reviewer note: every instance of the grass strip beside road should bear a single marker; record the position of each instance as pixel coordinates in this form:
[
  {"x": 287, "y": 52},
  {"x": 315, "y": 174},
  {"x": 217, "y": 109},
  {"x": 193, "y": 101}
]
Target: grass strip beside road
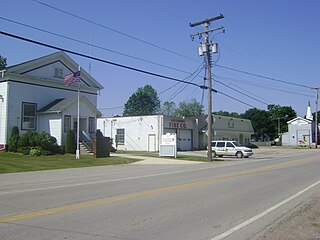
[
  {"x": 14, "y": 162},
  {"x": 156, "y": 155}
]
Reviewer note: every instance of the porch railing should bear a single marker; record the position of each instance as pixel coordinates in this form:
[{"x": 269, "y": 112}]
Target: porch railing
[{"x": 86, "y": 140}]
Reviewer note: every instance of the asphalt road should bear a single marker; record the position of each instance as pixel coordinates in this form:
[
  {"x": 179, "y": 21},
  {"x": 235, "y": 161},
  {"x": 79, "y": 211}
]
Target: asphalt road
[{"x": 230, "y": 199}]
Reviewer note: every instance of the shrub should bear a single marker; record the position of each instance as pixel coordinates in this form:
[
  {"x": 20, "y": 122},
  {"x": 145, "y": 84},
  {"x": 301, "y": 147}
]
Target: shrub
[
  {"x": 70, "y": 146},
  {"x": 47, "y": 142},
  {"x": 35, "y": 152},
  {"x": 14, "y": 139},
  {"x": 26, "y": 151},
  {"x": 29, "y": 139},
  {"x": 46, "y": 153}
]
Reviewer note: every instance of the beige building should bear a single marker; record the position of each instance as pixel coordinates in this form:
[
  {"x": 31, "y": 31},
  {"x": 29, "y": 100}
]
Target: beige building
[{"x": 226, "y": 128}]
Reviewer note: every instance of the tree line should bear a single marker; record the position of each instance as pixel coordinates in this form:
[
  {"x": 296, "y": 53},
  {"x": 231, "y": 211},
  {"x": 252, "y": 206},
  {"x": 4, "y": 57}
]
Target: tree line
[{"x": 266, "y": 123}]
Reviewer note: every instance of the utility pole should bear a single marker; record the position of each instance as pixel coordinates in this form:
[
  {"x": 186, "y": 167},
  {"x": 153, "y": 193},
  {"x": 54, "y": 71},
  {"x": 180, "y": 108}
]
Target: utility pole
[
  {"x": 316, "y": 118},
  {"x": 206, "y": 49}
]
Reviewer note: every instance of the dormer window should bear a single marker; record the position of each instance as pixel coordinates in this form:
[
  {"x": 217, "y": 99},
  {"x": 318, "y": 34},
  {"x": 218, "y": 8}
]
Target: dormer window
[{"x": 58, "y": 72}]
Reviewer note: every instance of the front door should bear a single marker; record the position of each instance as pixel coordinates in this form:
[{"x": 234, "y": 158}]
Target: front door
[{"x": 152, "y": 143}]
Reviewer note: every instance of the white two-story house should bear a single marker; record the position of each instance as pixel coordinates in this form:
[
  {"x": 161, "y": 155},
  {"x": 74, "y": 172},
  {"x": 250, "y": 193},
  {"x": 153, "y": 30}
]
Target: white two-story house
[{"x": 33, "y": 97}]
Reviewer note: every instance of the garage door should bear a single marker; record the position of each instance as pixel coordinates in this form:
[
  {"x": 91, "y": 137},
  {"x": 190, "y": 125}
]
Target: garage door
[{"x": 184, "y": 140}]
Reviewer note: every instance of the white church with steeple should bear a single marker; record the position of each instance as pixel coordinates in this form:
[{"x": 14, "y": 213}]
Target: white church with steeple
[{"x": 301, "y": 131}]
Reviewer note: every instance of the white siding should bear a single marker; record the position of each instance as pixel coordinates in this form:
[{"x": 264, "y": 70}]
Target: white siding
[
  {"x": 137, "y": 131},
  {"x": 51, "y": 123},
  {"x": 3, "y": 113},
  {"x": 40, "y": 95}
]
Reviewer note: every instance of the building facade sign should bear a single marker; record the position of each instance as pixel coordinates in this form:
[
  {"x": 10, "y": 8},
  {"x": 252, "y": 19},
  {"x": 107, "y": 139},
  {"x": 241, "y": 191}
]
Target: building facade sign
[{"x": 175, "y": 123}]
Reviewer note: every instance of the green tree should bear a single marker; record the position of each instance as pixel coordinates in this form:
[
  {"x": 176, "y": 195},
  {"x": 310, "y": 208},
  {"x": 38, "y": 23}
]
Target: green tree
[
  {"x": 144, "y": 101},
  {"x": 280, "y": 115},
  {"x": 71, "y": 144},
  {"x": 3, "y": 62},
  {"x": 261, "y": 121},
  {"x": 191, "y": 109},
  {"x": 168, "y": 108},
  {"x": 228, "y": 114},
  {"x": 14, "y": 138}
]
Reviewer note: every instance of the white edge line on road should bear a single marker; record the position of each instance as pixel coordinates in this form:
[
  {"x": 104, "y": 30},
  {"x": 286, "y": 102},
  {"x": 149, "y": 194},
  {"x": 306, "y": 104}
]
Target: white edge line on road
[{"x": 260, "y": 215}]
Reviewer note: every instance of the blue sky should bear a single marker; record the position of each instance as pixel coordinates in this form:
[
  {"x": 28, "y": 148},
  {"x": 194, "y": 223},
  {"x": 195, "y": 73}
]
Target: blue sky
[{"x": 276, "y": 39}]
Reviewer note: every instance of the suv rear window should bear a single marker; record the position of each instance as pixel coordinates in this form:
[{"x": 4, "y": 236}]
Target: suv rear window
[{"x": 220, "y": 144}]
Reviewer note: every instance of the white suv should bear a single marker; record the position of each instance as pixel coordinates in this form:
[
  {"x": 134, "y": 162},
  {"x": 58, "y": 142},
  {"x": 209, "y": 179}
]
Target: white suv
[{"x": 230, "y": 148}]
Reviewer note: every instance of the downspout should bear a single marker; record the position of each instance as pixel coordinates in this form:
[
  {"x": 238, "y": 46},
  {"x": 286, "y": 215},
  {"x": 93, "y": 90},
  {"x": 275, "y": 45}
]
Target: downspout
[
  {"x": 1, "y": 103},
  {"x": 7, "y": 116}
]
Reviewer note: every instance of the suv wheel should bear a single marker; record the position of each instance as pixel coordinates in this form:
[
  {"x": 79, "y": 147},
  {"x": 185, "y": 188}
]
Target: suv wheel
[
  {"x": 214, "y": 154},
  {"x": 239, "y": 155}
]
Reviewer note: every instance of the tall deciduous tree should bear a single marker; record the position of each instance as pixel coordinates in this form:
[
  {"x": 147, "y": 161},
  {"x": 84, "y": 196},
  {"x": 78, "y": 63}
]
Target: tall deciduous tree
[
  {"x": 144, "y": 101},
  {"x": 192, "y": 109},
  {"x": 168, "y": 108},
  {"x": 261, "y": 121},
  {"x": 280, "y": 115}
]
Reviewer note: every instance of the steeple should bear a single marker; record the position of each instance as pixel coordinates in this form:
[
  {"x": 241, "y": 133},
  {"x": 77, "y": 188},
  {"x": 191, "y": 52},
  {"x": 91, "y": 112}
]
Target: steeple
[{"x": 309, "y": 114}]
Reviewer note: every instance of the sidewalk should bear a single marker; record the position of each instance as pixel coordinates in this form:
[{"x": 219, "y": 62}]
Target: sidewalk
[{"x": 154, "y": 160}]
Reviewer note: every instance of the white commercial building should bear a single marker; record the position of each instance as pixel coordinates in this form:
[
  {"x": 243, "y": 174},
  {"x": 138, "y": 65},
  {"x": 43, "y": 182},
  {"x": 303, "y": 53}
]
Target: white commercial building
[{"x": 143, "y": 133}]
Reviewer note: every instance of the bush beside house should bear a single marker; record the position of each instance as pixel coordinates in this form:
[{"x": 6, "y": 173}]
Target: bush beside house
[
  {"x": 71, "y": 142},
  {"x": 34, "y": 143}
]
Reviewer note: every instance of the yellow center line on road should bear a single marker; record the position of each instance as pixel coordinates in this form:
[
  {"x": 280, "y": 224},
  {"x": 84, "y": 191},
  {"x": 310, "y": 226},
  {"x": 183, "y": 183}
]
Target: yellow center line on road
[{"x": 110, "y": 200}]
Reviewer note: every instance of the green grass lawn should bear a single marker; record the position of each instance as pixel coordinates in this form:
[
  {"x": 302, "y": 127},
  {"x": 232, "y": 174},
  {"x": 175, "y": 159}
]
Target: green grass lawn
[{"x": 15, "y": 162}]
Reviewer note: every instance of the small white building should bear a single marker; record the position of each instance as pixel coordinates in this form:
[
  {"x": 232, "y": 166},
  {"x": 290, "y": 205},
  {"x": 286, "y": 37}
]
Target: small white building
[
  {"x": 33, "y": 97},
  {"x": 301, "y": 131},
  {"x": 143, "y": 133}
]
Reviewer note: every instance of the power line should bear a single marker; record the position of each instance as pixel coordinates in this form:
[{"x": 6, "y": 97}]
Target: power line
[
  {"x": 261, "y": 76},
  {"x": 237, "y": 100},
  {"x": 179, "y": 90},
  {"x": 92, "y": 45},
  {"x": 268, "y": 87},
  {"x": 169, "y": 88},
  {"x": 113, "y": 30},
  {"x": 117, "y": 64},
  {"x": 247, "y": 95},
  {"x": 99, "y": 59}
]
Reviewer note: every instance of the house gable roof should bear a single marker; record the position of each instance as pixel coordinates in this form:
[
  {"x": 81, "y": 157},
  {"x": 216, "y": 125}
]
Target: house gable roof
[
  {"x": 53, "y": 67},
  {"x": 300, "y": 119},
  {"x": 60, "y": 105}
]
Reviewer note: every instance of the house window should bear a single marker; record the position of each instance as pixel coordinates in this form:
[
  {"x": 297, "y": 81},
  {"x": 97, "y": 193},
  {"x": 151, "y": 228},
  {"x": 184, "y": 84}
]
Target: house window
[
  {"x": 91, "y": 125},
  {"x": 120, "y": 136},
  {"x": 28, "y": 119},
  {"x": 58, "y": 72},
  {"x": 67, "y": 123}
]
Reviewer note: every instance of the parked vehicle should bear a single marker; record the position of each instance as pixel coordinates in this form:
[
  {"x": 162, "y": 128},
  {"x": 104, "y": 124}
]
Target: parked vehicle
[{"x": 230, "y": 148}]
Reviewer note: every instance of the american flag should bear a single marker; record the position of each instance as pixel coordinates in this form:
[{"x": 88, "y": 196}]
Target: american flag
[{"x": 72, "y": 78}]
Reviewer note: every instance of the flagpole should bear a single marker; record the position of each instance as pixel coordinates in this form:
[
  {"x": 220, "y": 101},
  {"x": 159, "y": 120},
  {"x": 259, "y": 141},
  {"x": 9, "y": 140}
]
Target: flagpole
[{"x": 78, "y": 124}]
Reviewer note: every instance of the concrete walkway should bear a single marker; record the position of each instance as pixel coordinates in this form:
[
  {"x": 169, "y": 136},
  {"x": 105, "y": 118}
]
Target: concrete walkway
[{"x": 154, "y": 160}]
